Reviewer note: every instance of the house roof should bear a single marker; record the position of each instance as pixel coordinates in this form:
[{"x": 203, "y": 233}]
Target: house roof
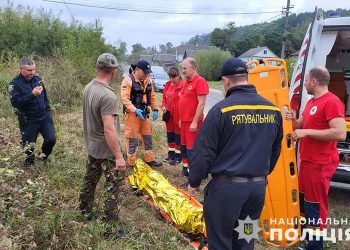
[
  {"x": 164, "y": 58},
  {"x": 148, "y": 58},
  {"x": 253, "y": 51},
  {"x": 192, "y": 53},
  {"x": 183, "y": 48}
]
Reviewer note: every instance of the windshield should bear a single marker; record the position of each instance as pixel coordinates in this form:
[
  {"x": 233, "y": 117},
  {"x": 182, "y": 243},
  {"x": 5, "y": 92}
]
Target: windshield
[{"x": 161, "y": 76}]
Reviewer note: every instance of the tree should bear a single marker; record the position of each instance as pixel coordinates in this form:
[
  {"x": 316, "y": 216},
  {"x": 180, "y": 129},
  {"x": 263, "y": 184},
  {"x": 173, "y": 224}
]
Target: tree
[
  {"x": 272, "y": 39},
  {"x": 136, "y": 51},
  {"x": 224, "y": 38},
  {"x": 123, "y": 48},
  {"x": 209, "y": 63},
  {"x": 162, "y": 48},
  {"x": 250, "y": 41},
  {"x": 169, "y": 46}
]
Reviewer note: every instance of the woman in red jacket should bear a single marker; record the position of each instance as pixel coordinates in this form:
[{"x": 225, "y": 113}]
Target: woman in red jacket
[{"x": 170, "y": 108}]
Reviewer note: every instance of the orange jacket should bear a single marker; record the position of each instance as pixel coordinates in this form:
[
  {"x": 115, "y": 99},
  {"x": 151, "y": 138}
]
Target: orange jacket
[{"x": 126, "y": 91}]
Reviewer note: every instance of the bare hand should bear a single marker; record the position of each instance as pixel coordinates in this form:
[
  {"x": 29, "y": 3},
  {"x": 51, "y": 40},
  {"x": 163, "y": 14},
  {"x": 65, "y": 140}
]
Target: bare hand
[
  {"x": 299, "y": 133},
  {"x": 180, "y": 124},
  {"x": 193, "y": 127},
  {"x": 289, "y": 115},
  {"x": 192, "y": 191},
  {"x": 120, "y": 164},
  {"x": 37, "y": 90},
  {"x": 164, "y": 110}
]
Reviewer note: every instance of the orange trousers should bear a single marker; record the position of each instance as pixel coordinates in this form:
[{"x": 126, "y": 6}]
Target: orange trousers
[{"x": 134, "y": 129}]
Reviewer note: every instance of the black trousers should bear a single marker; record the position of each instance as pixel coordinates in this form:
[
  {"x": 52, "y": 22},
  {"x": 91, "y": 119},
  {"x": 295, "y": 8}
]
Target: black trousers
[
  {"x": 224, "y": 203},
  {"x": 30, "y": 130}
]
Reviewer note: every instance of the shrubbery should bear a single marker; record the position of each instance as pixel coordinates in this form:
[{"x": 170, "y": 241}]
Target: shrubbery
[
  {"x": 209, "y": 63},
  {"x": 65, "y": 54}
]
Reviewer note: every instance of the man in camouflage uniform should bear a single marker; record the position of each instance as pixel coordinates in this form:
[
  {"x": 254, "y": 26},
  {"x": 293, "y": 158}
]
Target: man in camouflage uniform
[{"x": 100, "y": 111}]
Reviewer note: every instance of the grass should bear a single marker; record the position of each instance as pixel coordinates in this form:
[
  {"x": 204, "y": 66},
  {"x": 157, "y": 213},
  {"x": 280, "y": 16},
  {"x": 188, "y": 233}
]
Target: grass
[
  {"x": 216, "y": 85},
  {"x": 38, "y": 206}
]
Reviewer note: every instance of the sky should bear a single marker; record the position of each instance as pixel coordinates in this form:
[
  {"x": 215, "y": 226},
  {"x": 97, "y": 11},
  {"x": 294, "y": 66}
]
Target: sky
[{"x": 152, "y": 29}]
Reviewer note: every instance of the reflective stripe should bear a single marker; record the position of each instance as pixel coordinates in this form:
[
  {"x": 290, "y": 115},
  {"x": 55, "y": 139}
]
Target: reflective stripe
[{"x": 249, "y": 107}]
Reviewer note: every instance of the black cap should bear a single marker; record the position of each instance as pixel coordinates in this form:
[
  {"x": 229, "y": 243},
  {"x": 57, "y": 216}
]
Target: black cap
[
  {"x": 145, "y": 66},
  {"x": 233, "y": 66}
]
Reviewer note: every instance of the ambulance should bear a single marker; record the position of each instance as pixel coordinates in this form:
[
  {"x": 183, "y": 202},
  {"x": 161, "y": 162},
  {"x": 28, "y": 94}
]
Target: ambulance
[{"x": 327, "y": 43}]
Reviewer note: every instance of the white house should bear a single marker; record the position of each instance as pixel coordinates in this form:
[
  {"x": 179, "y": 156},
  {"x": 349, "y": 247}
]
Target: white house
[{"x": 257, "y": 53}]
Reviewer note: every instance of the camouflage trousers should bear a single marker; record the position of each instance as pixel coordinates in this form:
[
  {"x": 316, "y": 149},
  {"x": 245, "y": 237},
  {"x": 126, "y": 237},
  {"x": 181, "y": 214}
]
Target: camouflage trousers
[{"x": 113, "y": 186}]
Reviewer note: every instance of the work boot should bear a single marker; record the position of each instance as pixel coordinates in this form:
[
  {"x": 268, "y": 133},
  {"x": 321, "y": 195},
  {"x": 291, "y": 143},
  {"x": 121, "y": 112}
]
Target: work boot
[
  {"x": 184, "y": 185},
  {"x": 91, "y": 216},
  {"x": 172, "y": 162},
  {"x": 88, "y": 214},
  {"x": 185, "y": 171},
  {"x": 170, "y": 157},
  {"x": 154, "y": 164},
  {"x": 29, "y": 161},
  {"x": 45, "y": 159},
  {"x": 113, "y": 235},
  {"x": 178, "y": 158}
]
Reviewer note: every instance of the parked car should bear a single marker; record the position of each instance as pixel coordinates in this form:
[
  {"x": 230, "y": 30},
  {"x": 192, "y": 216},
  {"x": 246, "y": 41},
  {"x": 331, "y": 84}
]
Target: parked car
[
  {"x": 159, "y": 81},
  {"x": 157, "y": 69}
]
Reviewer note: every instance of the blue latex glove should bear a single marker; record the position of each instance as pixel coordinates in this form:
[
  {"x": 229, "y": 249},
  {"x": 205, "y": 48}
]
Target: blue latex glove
[
  {"x": 155, "y": 115},
  {"x": 139, "y": 114}
]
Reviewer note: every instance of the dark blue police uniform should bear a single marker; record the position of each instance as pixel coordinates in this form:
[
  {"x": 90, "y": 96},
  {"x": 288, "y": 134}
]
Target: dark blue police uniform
[
  {"x": 239, "y": 144},
  {"x": 33, "y": 115}
]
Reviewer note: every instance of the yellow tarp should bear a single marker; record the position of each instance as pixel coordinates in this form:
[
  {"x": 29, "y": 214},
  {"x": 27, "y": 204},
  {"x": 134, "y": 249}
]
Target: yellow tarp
[{"x": 186, "y": 216}]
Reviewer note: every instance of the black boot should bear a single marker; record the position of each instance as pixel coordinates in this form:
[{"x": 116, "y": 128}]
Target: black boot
[
  {"x": 178, "y": 157},
  {"x": 154, "y": 164},
  {"x": 185, "y": 171}
]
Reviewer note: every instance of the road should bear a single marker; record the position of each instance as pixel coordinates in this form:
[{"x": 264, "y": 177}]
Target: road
[{"x": 213, "y": 97}]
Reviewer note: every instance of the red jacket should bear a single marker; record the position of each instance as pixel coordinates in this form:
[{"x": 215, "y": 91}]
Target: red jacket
[{"x": 171, "y": 99}]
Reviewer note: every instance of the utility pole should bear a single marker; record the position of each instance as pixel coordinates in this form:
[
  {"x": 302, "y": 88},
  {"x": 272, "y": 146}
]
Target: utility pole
[{"x": 285, "y": 30}]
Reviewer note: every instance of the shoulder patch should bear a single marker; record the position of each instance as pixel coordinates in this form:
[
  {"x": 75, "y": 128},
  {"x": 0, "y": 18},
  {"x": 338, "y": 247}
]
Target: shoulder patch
[{"x": 10, "y": 88}]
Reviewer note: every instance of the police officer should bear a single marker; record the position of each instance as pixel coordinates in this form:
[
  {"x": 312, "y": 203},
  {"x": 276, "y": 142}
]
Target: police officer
[
  {"x": 138, "y": 99},
  {"x": 29, "y": 98},
  {"x": 239, "y": 144}
]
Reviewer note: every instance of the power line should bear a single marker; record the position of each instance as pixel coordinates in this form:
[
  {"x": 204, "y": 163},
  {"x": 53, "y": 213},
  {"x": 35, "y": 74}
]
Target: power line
[
  {"x": 271, "y": 18},
  {"x": 161, "y": 12},
  {"x": 69, "y": 10}
]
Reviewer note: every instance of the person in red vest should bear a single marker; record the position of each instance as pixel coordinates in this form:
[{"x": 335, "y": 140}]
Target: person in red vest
[
  {"x": 318, "y": 129},
  {"x": 191, "y": 106},
  {"x": 170, "y": 108}
]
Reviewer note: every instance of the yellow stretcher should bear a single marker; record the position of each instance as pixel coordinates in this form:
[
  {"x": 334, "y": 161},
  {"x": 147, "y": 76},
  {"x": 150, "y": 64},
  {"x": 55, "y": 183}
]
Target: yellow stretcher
[{"x": 281, "y": 208}]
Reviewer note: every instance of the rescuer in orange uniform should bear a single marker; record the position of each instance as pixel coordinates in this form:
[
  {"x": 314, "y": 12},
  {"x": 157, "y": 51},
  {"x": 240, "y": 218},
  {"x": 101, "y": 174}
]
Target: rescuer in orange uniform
[{"x": 138, "y": 97}]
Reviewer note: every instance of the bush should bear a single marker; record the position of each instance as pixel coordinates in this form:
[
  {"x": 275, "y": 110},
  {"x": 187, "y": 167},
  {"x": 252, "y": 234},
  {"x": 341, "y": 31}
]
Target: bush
[
  {"x": 209, "y": 63},
  {"x": 60, "y": 78}
]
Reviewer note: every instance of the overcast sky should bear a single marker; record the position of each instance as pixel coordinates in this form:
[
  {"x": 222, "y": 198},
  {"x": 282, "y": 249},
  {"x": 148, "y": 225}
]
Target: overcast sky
[{"x": 152, "y": 29}]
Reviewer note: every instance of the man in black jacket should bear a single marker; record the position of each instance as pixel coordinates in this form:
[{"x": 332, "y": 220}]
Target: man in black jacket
[
  {"x": 29, "y": 98},
  {"x": 239, "y": 145}
]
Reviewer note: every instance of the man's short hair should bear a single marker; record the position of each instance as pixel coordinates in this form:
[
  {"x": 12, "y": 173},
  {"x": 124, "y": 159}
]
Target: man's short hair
[
  {"x": 192, "y": 62},
  {"x": 26, "y": 61},
  {"x": 237, "y": 78},
  {"x": 321, "y": 75}
]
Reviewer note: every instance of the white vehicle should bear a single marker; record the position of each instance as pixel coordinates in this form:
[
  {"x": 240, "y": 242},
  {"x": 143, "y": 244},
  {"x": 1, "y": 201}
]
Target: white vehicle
[
  {"x": 327, "y": 43},
  {"x": 157, "y": 69}
]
